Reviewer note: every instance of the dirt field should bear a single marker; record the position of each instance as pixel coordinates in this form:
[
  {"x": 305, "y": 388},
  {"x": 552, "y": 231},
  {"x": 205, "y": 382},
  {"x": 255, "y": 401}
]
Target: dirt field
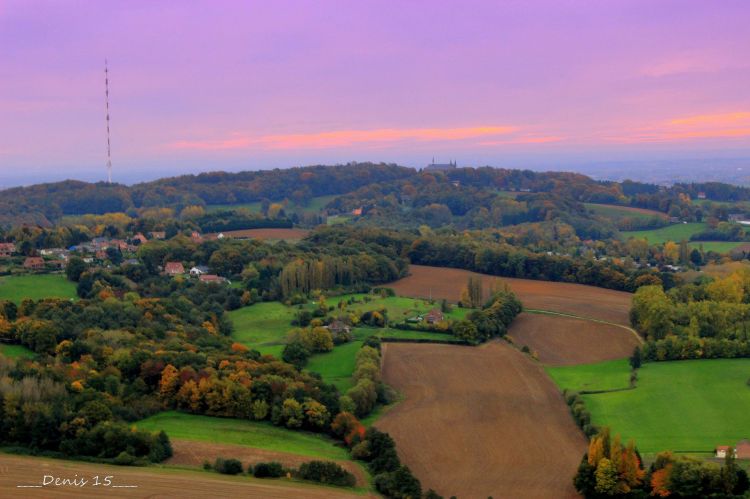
[
  {"x": 194, "y": 453},
  {"x": 150, "y": 482},
  {"x": 273, "y": 234},
  {"x": 576, "y": 299},
  {"x": 563, "y": 341},
  {"x": 480, "y": 421}
]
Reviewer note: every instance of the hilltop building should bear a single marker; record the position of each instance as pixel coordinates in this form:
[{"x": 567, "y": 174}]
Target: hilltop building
[{"x": 441, "y": 167}]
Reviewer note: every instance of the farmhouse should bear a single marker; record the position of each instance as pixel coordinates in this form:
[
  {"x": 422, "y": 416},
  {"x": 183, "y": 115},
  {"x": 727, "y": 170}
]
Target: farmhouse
[
  {"x": 159, "y": 235},
  {"x": 198, "y": 270},
  {"x": 7, "y": 249},
  {"x": 196, "y": 237},
  {"x": 742, "y": 449},
  {"x": 722, "y": 451},
  {"x": 338, "y": 327},
  {"x": 34, "y": 263},
  {"x": 140, "y": 238},
  {"x": 701, "y": 195},
  {"x": 174, "y": 268},
  {"x": 434, "y": 316},
  {"x": 211, "y": 278}
]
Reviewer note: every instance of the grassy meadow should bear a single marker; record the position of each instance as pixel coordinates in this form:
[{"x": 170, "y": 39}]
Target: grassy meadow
[
  {"x": 264, "y": 327},
  {"x": 261, "y": 435},
  {"x": 15, "y": 351},
  {"x": 315, "y": 205},
  {"x": 608, "y": 375},
  {"x": 684, "y": 406},
  {"x": 36, "y": 287},
  {"x": 616, "y": 212}
]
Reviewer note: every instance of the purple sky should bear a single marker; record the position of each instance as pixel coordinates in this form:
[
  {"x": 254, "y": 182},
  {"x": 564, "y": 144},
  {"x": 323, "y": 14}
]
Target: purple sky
[{"x": 248, "y": 85}]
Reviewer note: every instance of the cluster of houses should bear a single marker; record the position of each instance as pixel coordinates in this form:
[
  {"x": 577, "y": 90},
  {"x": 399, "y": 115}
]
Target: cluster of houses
[
  {"x": 174, "y": 269},
  {"x": 432, "y": 317},
  {"x": 740, "y": 451}
]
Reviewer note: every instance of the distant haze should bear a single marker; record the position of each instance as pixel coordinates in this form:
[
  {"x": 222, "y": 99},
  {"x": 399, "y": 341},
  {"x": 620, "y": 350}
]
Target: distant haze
[{"x": 247, "y": 85}]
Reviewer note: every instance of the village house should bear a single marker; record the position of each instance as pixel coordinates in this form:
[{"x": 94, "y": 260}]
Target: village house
[
  {"x": 34, "y": 263},
  {"x": 212, "y": 278},
  {"x": 174, "y": 268},
  {"x": 357, "y": 212},
  {"x": 198, "y": 270},
  {"x": 722, "y": 451},
  {"x": 7, "y": 250},
  {"x": 701, "y": 195},
  {"x": 158, "y": 235},
  {"x": 196, "y": 237},
  {"x": 434, "y": 316},
  {"x": 140, "y": 238},
  {"x": 338, "y": 327}
]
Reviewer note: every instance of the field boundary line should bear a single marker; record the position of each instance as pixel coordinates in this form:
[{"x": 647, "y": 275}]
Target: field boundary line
[{"x": 591, "y": 319}]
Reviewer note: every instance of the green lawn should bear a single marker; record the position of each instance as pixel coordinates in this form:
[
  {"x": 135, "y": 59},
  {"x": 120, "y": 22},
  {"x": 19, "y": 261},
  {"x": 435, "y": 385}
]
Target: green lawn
[
  {"x": 609, "y": 375},
  {"x": 15, "y": 351},
  {"x": 36, "y": 286},
  {"x": 261, "y": 435},
  {"x": 687, "y": 406}
]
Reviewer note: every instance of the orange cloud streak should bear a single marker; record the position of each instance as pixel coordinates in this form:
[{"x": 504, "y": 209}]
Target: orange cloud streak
[
  {"x": 341, "y": 138},
  {"x": 725, "y": 119}
]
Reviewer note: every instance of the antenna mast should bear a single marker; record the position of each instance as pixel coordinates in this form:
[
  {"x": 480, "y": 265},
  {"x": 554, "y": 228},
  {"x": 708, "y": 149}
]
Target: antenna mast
[{"x": 106, "y": 97}]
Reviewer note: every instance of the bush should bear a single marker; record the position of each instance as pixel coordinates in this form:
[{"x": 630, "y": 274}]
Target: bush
[
  {"x": 124, "y": 459},
  {"x": 228, "y": 466},
  {"x": 326, "y": 472},
  {"x": 268, "y": 470}
]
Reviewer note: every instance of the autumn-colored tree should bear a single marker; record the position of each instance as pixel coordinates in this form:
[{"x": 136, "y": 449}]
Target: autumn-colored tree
[
  {"x": 169, "y": 382},
  {"x": 472, "y": 295}
]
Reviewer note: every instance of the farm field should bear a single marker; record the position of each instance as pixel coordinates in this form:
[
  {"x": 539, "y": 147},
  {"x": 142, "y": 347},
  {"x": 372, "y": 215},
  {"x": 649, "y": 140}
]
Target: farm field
[
  {"x": 36, "y": 287},
  {"x": 680, "y": 405},
  {"x": 616, "y": 211},
  {"x": 676, "y": 233},
  {"x": 608, "y": 375},
  {"x": 15, "y": 351},
  {"x": 150, "y": 482},
  {"x": 575, "y": 299},
  {"x": 560, "y": 341},
  {"x": 266, "y": 234},
  {"x": 184, "y": 426},
  {"x": 461, "y": 430},
  {"x": 193, "y": 453}
]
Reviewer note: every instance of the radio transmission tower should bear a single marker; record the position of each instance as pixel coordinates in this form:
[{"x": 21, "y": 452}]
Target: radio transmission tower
[{"x": 106, "y": 100}]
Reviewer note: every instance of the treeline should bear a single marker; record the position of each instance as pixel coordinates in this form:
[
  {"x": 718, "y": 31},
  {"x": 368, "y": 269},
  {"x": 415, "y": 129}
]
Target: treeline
[
  {"x": 611, "y": 469},
  {"x": 511, "y": 261},
  {"x": 44, "y": 204}
]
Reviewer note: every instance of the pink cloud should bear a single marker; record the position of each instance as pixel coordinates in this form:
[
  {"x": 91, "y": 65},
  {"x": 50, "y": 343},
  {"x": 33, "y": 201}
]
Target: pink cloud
[
  {"x": 342, "y": 138},
  {"x": 522, "y": 140}
]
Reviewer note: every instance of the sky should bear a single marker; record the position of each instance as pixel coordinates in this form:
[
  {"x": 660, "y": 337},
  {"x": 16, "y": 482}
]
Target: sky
[{"x": 233, "y": 85}]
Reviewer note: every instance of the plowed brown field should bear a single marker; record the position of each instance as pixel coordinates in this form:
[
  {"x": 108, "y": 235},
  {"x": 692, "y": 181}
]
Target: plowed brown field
[
  {"x": 150, "y": 482},
  {"x": 194, "y": 453},
  {"x": 564, "y": 341},
  {"x": 480, "y": 421},
  {"x": 576, "y": 299}
]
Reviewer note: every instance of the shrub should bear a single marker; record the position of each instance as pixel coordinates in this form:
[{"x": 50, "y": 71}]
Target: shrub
[
  {"x": 124, "y": 459},
  {"x": 228, "y": 466},
  {"x": 326, "y": 472},
  {"x": 268, "y": 470}
]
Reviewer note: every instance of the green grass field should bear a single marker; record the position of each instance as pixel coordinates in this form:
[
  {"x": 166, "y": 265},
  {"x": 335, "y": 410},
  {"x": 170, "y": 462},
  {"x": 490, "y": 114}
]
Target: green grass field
[
  {"x": 264, "y": 327},
  {"x": 36, "y": 286},
  {"x": 680, "y": 232},
  {"x": 613, "y": 211},
  {"x": 609, "y": 375},
  {"x": 315, "y": 205},
  {"x": 685, "y": 406},
  {"x": 676, "y": 233},
  {"x": 242, "y": 432},
  {"x": 15, "y": 351}
]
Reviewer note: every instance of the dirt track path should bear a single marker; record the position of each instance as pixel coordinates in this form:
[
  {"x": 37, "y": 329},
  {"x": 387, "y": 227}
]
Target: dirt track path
[{"x": 480, "y": 421}]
